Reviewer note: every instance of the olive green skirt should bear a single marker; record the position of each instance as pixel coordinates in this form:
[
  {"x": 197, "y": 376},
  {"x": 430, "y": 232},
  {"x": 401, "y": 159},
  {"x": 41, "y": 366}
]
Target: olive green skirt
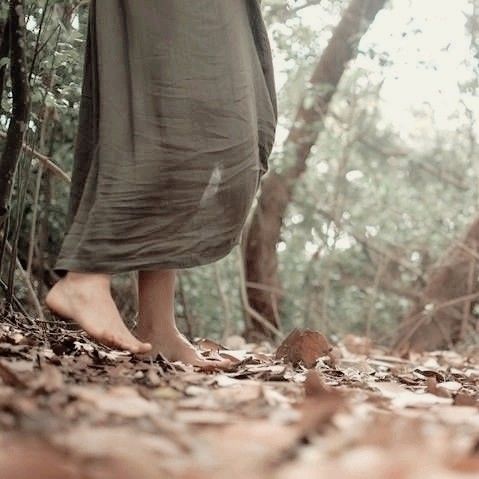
[{"x": 177, "y": 120}]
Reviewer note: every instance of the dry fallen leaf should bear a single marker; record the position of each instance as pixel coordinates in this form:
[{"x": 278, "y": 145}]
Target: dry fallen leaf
[
  {"x": 314, "y": 385},
  {"x": 22, "y": 458},
  {"x": 115, "y": 416},
  {"x": 49, "y": 379},
  {"x": 209, "y": 345},
  {"x": 9, "y": 376},
  {"x": 357, "y": 344},
  {"x": 303, "y": 346},
  {"x": 320, "y": 405},
  {"x": 432, "y": 387},
  {"x": 120, "y": 400}
]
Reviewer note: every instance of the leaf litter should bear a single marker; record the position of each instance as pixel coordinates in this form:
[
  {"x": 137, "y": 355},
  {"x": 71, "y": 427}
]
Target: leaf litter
[{"x": 72, "y": 409}]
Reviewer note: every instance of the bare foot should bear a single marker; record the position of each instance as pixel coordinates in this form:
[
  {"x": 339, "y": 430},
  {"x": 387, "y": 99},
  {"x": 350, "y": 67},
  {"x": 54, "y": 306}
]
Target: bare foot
[
  {"x": 86, "y": 299},
  {"x": 157, "y": 323},
  {"x": 172, "y": 345}
]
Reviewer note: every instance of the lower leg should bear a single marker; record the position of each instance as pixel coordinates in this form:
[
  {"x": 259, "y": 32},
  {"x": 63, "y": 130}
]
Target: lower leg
[
  {"x": 157, "y": 323},
  {"x": 86, "y": 299}
]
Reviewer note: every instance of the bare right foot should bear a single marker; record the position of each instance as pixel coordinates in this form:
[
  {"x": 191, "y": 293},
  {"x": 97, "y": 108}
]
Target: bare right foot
[
  {"x": 157, "y": 324},
  {"x": 86, "y": 299},
  {"x": 173, "y": 345}
]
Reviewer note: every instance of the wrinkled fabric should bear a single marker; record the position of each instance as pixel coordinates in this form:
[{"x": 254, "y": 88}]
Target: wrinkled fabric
[{"x": 177, "y": 121}]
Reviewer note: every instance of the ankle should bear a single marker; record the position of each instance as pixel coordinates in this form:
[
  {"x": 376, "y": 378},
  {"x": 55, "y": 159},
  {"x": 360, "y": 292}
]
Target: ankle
[
  {"x": 77, "y": 279},
  {"x": 155, "y": 330}
]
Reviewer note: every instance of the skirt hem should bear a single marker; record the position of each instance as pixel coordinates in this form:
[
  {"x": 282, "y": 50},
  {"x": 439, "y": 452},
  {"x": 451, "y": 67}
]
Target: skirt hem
[{"x": 62, "y": 266}]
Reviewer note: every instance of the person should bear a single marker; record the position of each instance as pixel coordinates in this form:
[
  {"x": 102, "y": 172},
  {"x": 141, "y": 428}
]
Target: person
[{"x": 177, "y": 120}]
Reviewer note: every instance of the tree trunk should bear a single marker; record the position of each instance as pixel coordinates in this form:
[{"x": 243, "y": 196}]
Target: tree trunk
[
  {"x": 4, "y": 52},
  {"x": 20, "y": 108},
  {"x": 445, "y": 314},
  {"x": 261, "y": 263},
  {"x": 447, "y": 311}
]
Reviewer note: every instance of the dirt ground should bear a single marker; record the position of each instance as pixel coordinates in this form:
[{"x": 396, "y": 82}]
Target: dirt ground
[{"x": 72, "y": 409}]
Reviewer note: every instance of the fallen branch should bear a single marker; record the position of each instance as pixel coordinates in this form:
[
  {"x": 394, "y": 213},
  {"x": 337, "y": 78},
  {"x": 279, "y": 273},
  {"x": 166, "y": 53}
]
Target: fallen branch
[
  {"x": 28, "y": 283},
  {"x": 244, "y": 297},
  {"x": 47, "y": 163}
]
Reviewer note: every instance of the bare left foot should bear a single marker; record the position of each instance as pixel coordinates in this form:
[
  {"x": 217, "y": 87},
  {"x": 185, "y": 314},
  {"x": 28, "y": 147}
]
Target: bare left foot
[
  {"x": 173, "y": 345},
  {"x": 86, "y": 299}
]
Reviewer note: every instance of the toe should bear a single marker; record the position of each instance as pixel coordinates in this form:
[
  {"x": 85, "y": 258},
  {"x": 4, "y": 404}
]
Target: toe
[
  {"x": 105, "y": 337},
  {"x": 211, "y": 365},
  {"x": 117, "y": 341},
  {"x": 144, "y": 347},
  {"x": 137, "y": 347},
  {"x": 120, "y": 343}
]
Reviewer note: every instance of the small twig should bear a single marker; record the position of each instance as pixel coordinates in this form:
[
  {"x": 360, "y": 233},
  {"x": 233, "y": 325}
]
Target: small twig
[
  {"x": 228, "y": 323},
  {"x": 184, "y": 303},
  {"x": 47, "y": 163},
  {"x": 244, "y": 297},
  {"x": 16, "y": 301},
  {"x": 466, "y": 311},
  {"x": 28, "y": 283},
  {"x": 383, "y": 263},
  {"x": 468, "y": 250}
]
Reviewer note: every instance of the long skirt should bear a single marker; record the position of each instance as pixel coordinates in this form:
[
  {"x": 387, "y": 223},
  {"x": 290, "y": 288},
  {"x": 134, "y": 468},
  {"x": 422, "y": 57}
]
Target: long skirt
[{"x": 177, "y": 121}]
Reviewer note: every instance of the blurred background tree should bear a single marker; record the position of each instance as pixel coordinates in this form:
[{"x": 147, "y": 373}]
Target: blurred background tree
[{"x": 367, "y": 220}]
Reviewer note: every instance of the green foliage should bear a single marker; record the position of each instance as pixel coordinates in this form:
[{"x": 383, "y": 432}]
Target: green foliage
[{"x": 378, "y": 204}]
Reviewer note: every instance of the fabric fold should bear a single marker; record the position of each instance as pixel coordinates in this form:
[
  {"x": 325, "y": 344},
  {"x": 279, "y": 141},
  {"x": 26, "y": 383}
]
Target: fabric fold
[{"x": 177, "y": 121}]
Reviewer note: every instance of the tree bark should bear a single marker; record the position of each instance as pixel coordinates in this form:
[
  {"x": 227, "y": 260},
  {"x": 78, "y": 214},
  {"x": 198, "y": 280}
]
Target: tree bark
[
  {"x": 445, "y": 314},
  {"x": 261, "y": 263},
  {"x": 20, "y": 105},
  {"x": 4, "y": 52}
]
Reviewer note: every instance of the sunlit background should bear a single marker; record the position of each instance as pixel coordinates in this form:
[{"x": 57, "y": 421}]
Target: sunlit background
[{"x": 378, "y": 230}]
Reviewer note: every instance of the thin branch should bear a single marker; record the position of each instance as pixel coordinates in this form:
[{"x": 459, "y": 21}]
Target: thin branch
[
  {"x": 20, "y": 105},
  {"x": 28, "y": 284},
  {"x": 244, "y": 298},
  {"x": 228, "y": 320},
  {"x": 47, "y": 163}
]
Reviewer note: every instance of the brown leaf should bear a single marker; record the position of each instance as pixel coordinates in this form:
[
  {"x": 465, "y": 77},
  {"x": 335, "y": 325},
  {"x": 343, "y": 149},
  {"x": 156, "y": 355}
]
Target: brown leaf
[
  {"x": 467, "y": 464},
  {"x": 9, "y": 377},
  {"x": 209, "y": 345},
  {"x": 236, "y": 356},
  {"x": 303, "y": 346},
  {"x": 28, "y": 458},
  {"x": 432, "y": 387},
  {"x": 322, "y": 403},
  {"x": 121, "y": 400},
  {"x": 153, "y": 377},
  {"x": 314, "y": 385},
  {"x": 204, "y": 417},
  {"x": 235, "y": 342},
  {"x": 401, "y": 397},
  {"x": 49, "y": 380},
  {"x": 426, "y": 372},
  {"x": 464, "y": 399},
  {"x": 357, "y": 344}
]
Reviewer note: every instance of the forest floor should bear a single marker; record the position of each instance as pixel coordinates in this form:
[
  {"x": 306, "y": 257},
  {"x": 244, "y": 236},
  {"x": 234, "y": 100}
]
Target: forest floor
[{"x": 71, "y": 409}]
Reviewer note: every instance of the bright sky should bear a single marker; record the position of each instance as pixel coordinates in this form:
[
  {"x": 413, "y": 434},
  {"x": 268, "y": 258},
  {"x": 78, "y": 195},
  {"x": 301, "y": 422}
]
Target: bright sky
[{"x": 429, "y": 61}]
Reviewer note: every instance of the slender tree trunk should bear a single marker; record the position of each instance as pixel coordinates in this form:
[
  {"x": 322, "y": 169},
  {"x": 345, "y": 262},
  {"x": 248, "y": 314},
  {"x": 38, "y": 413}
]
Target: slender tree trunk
[
  {"x": 20, "y": 108},
  {"x": 4, "y": 53},
  {"x": 446, "y": 313},
  {"x": 277, "y": 189}
]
